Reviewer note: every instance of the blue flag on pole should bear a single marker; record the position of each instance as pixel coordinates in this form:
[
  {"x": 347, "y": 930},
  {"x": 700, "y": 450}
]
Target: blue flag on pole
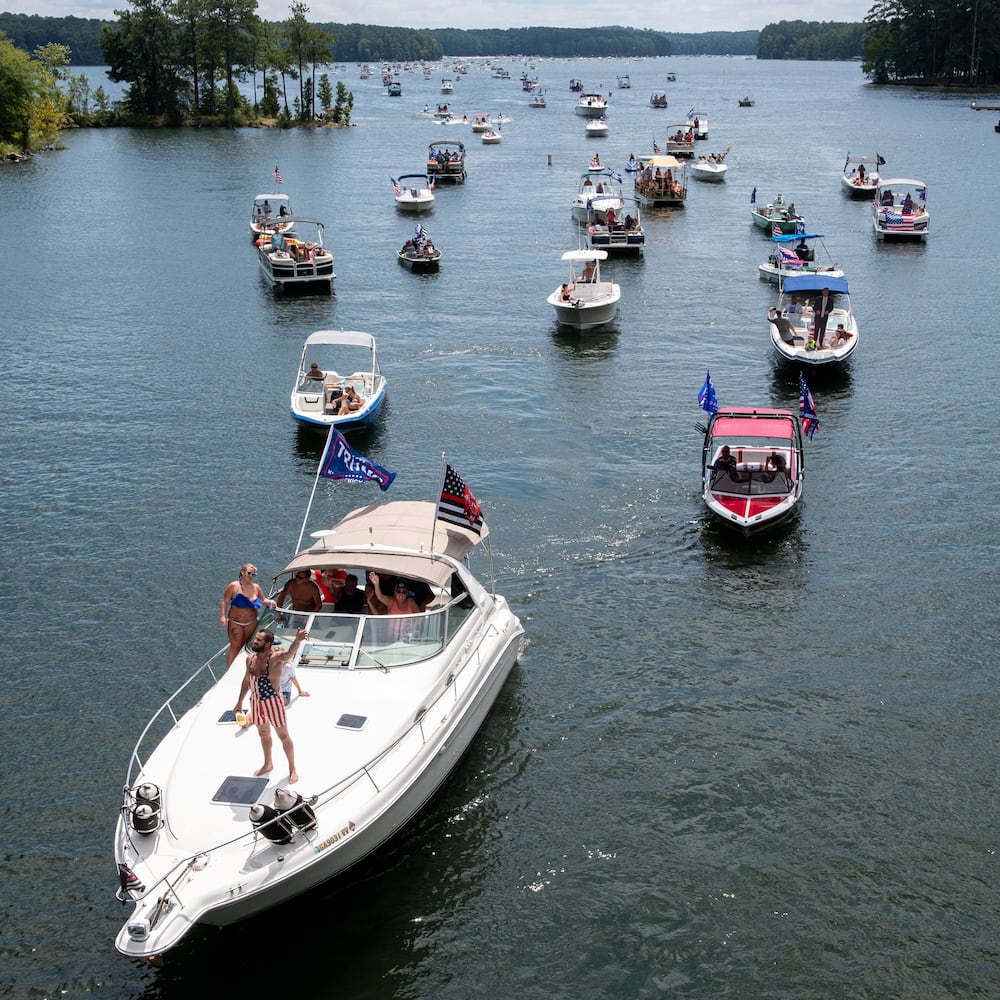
[
  {"x": 753, "y": 197},
  {"x": 706, "y": 397},
  {"x": 807, "y": 409},
  {"x": 341, "y": 462}
]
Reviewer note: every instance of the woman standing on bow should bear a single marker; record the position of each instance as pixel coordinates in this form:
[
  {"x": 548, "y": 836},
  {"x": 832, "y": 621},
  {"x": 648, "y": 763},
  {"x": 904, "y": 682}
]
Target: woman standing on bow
[{"x": 241, "y": 604}]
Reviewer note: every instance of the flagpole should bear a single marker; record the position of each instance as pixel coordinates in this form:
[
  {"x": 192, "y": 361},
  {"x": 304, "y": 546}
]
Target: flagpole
[
  {"x": 437, "y": 500},
  {"x": 305, "y": 520}
]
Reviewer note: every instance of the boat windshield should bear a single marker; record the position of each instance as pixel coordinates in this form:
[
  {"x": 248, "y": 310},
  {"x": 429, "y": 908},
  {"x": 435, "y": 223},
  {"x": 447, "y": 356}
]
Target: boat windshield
[
  {"x": 761, "y": 466},
  {"x": 340, "y": 640}
]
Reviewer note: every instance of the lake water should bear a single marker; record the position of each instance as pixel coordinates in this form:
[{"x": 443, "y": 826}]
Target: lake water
[{"x": 722, "y": 768}]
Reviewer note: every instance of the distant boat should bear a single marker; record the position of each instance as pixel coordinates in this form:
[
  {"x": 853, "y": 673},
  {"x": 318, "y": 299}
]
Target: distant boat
[{"x": 746, "y": 102}]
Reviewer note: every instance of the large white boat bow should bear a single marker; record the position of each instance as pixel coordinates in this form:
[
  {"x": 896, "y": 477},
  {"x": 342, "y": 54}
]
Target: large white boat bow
[{"x": 395, "y": 702}]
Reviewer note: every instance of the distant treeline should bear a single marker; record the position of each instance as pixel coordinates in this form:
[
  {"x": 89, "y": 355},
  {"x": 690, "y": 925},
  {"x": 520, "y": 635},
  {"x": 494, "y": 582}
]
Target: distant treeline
[
  {"x": 368, "y": 43},
  {"x": 811, "y": 40},
  {"x": 80, "y": 34}
]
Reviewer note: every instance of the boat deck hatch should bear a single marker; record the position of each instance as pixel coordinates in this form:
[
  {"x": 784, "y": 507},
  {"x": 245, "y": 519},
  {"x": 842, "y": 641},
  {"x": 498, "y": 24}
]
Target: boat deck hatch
[
  {"x": 239, "y": 791},
  {"x": 352, "y": 721}
]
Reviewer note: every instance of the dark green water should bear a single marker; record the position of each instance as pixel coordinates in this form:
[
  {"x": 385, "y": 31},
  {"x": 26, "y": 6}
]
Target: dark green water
[{"x": 721, "y": 769}]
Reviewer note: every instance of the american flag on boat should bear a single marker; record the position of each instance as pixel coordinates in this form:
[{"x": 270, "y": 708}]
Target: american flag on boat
[
  {"x": 896, "y": 220},
  {"x": 807, "y": 409},
  {"x": 420, "y": 235},
  {"x": 395, "y": 185},
  {"x": 788, "y": 258},
  {"x": 277, "y": 175},
  {"x": 656, "y": 148},
  {"x": 776, "y": 229}
]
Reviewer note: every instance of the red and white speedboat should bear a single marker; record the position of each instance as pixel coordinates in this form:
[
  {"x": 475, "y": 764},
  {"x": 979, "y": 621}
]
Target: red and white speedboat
[{"x": 752, "y": 467}]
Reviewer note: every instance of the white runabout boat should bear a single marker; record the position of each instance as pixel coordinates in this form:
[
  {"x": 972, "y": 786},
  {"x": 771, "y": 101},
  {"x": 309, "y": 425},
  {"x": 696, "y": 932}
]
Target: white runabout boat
[
  {"x": 585, "y": 301},
  {"x": 711, "y": 169},
  {"x": 860, "y": 176},
  {"x": 413, "y": 192},
  {"x": 795, "y": 340},
  {"x": 396, "y": 700},
  {"x": 319, "y": 393},
  {"x": 597, "y": 127}
]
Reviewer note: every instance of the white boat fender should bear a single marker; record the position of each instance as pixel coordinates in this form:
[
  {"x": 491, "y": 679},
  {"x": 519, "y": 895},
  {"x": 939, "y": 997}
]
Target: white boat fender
[
  {"x": 295, "y": 808},
  {"x": 267, "y": 821},
  {"x": 146, "y": 811}
]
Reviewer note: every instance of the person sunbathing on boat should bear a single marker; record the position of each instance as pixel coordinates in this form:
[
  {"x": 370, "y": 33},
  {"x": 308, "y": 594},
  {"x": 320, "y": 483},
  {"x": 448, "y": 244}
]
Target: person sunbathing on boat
[{"x": 350, "y": 401}]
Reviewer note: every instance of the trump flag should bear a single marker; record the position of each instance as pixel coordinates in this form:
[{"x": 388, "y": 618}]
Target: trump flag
[
  {"x": 707, "y": 399},
  {"x": 340, "y": 461}
]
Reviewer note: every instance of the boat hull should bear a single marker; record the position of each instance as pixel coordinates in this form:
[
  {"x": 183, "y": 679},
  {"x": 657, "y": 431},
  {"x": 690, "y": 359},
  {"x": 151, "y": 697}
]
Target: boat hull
[
  {"x": 710, "y": 173},
  {"x": 363, "y": 418},
  {"x": 618, "y": 240},
  {"x": 774, "y": 273},
  {"x": 338, "y": 846},
  {"x": 586, "y": 317},
  {"x": 592, "y": 106},
  {"x": 420, "y": 263},
  {"x": 285, "y": 272},
  {"x": 854, "y": 188},
  {"x": 767, "y": 222}
]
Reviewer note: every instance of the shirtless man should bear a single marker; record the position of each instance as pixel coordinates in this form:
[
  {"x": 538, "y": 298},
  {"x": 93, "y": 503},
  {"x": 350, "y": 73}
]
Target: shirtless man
[
  {"x": 303, "y": 591},
  {"x": 267, "y": 707}
]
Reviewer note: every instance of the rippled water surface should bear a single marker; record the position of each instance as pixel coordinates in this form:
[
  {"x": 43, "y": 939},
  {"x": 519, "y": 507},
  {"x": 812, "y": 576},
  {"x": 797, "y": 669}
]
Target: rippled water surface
[{"x": 762, "y": 769}]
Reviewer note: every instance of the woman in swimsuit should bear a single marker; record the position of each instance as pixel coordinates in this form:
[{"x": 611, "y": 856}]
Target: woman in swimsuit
[{"x": 241, "y": 602}]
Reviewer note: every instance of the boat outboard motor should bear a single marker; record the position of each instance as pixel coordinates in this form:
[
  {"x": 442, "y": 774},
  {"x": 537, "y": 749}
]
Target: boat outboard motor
[
  {"x": 295, "y": 808},
  {"x": 266, "y": 820},
  {"x": 146, "y": 811}
]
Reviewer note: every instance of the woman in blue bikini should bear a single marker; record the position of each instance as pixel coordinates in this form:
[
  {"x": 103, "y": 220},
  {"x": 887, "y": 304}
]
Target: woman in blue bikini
[{"x": 241, "y": 602}]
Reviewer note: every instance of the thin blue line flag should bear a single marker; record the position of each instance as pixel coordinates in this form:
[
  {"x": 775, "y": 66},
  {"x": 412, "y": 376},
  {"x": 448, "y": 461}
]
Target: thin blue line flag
[
  {"x": 706, "y": 397},
  {"x": 340, "y": 461}
]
